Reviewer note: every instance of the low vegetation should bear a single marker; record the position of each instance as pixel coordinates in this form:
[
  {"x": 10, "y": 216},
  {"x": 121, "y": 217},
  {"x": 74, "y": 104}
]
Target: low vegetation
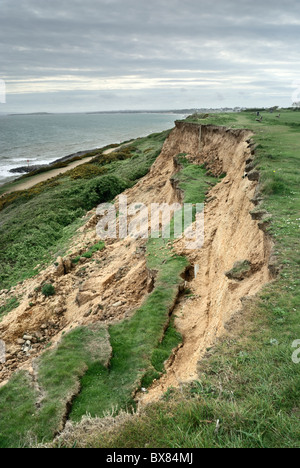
[
  {"x": 135, "y": 342},
  {"x": 139, "y": 349},
  {"x": 10, "y": 305},
  {"x": 248, "y": 391},
  {"x": 48, "y": 290},
  {"x": 240, "y": 270},
  {"x": 140, "y": 346},
  {"x": 194, "y": 180},
  {"x": 37, "y": 224},
  {"x": 31, "y": 413},
  {"x": 86, "y": 171},
  {"x": 248, "y": 388}
]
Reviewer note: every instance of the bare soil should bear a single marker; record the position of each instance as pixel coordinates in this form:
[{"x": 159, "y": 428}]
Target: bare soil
[{"x": 116, "y": 281}]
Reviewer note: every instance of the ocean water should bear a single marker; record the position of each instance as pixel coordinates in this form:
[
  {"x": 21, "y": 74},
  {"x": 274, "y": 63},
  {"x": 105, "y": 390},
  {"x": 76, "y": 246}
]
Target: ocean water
[{"x": 41, "y": 139}]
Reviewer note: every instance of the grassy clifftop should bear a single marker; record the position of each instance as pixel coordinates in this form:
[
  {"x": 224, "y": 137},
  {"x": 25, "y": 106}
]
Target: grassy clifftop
[{"x": 247, "y": 393}]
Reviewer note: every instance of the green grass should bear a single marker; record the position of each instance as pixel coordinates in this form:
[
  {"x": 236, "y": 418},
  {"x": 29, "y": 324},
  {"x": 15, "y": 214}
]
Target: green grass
[
  {"x": 90, "y": 252},
  {"x": 59, "y": 372},
  {"x": 33, "y": 232},
  {"x": 17, "y": 409},
  {"x": 197, "y": 418},
  {"x": 194, "y": 180},
  {"x": 37, "y": 224},
  {"x": 144, "y": 153},
  {"x": 133, "y": 342},
  {"x": 171, "y": 340},
  {"x": 95, "y": 248},
  {"x": 10, "y": 305},
  {"x": 248, "y": 390},
  {"x": 214, "y": 119},
  {"x": 240, "y": 270},
  {"x": 48, "y": 290},
  {"x": 142, "y": 344}
]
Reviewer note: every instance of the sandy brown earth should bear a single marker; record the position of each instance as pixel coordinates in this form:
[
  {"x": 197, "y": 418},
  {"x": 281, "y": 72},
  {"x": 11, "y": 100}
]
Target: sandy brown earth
[
  {"x": 231, "y": 235},
  {"x": 112, "y": 285}
]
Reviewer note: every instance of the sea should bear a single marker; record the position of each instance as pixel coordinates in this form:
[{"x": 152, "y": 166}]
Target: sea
[{"x": 44, "y": 138}]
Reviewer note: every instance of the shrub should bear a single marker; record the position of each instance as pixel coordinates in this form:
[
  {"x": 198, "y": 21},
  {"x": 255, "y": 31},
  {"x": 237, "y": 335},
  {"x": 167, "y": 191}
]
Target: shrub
[
  {"x": 37, "y": 222},
  {"x": 48, "y": 290},
  {"x": 96, "y": 248},
  {"x": 139, "y": 172},
  {"x": 102, "y": 189},
  {"x": 25, "y": 195},
  {"x": 124, "y": 153},
  {"x": 86, "y": 171},
  {"x": 31, "y": 229},
  {"x": 277, "y": 185}
]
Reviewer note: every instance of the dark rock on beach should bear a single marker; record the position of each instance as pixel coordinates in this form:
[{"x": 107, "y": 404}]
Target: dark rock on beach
[
  {"x": 28, "y": 169},
  {"x": 74, "y": 155}
]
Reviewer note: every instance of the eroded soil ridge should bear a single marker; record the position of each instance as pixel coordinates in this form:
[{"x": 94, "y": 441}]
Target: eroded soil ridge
[{"x": 110, "y": 286}]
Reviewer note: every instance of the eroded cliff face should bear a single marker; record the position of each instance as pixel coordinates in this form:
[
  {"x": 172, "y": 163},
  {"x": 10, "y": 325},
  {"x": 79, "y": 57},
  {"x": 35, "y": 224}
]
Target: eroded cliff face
[
  {"x": 111, "y": 286},
  {"x": 232, "y": 239}
]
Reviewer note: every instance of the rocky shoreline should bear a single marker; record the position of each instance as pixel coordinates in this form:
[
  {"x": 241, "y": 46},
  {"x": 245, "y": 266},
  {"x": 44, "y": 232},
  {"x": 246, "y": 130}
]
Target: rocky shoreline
[{"x": 28, "y": 169}]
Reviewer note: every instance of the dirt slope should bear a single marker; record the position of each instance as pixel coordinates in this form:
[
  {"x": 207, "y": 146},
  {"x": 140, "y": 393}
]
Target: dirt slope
[
  {"x": 231, "y": 235},
  {"x": 116, "y": 281}
]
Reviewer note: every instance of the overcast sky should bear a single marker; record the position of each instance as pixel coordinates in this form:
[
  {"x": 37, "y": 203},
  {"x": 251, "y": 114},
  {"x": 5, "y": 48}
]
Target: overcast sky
[{"x": 85, "y": 55}]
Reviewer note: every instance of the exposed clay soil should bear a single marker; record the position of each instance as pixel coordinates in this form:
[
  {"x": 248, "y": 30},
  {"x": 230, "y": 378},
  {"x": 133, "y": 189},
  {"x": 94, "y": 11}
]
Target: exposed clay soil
[
  {"x": 231, "y": 235},
  {"x": 115, "y": 282}
]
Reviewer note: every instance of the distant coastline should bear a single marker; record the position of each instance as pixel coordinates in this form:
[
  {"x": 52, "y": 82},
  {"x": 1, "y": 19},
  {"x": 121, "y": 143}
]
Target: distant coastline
[
  {"x": 32, "y": 113},
  {"x": 39, "y": 141},
  {"x": 128, "y": 111}
]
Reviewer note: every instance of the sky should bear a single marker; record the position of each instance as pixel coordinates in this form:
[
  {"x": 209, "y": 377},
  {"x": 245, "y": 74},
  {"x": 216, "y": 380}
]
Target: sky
[{"x": 104, "y": 55}]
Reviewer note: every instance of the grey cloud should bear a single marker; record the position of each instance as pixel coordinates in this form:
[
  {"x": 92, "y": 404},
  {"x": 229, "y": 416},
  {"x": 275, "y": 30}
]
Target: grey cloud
[{"x": 250, "y": 43}]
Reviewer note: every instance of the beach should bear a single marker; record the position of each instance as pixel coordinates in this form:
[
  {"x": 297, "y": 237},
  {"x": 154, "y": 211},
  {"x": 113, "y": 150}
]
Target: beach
[
  {"x": 32, "y": 141},
  {"x": 36, "y": 179}
]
